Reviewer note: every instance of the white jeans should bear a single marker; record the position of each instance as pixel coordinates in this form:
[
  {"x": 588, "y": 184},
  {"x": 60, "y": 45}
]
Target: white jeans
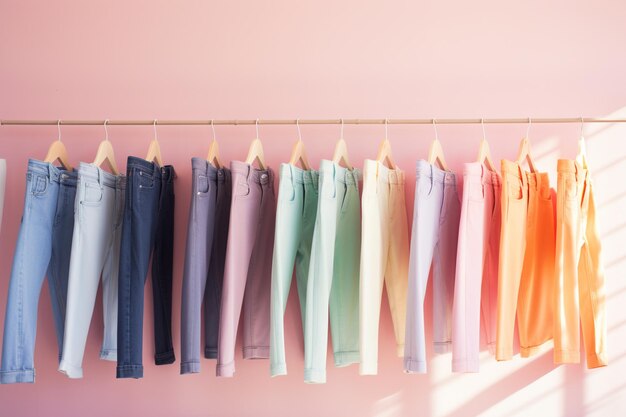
[{"x": 95, "y": 250}]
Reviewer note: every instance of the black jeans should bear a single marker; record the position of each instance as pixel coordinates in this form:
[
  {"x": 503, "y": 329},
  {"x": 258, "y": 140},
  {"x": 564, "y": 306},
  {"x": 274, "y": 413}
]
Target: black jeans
[
  {"x": 141, "y": 214},
  {"x": 162, "y": 266}
]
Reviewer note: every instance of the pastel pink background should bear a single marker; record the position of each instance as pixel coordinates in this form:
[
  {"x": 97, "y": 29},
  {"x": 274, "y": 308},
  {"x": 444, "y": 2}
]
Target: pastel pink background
[{"x": 311, "y": 59}]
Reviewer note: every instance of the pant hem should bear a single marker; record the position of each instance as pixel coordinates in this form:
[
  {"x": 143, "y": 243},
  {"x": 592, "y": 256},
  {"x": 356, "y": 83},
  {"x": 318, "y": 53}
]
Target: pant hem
[
  {"x": 164, "y": 358},
  {"x": 278, "y": 369},
  {"x": 368, "y": 368},
  {"x": 130, "y": 371},
  {"x": 491, "y": 346},
  {"x": 17, "y": 377},
  {"x": 72, "y": 371},
  {"x": 413, "y": 366},
  {"x": 210, "y": 353},
  {"x": 189, "y": 368},
  {"x": 256, "y": 352},
  {"x": 346, "y": 358},
  {"x": 315, "y": 376},
  {"x": 596, "y": 360},
  {"x": 528, "y": 351},
  {"x": 226, "y": 370},
  {"x": 504, "y": 354}
]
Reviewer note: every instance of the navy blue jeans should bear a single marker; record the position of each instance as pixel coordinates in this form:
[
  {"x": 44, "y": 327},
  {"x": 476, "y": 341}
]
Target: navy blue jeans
[{"x": 143, "y": 191}]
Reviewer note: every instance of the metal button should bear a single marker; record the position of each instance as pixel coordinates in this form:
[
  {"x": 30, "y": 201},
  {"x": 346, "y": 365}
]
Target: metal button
[{"x": 264, "y": 176}]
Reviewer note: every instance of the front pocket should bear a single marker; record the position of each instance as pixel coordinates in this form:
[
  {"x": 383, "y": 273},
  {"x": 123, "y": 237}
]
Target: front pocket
[
  {"x": 145, "y": 180},
  {"x": 571, "y": 189},
  {"x": 92, "y": 194},
  {"x": 475, "y": 190},
  {"x": 515, "y": 190},
  {"x": 202, "y": 184},
  {"x": 39, "y": 184}
]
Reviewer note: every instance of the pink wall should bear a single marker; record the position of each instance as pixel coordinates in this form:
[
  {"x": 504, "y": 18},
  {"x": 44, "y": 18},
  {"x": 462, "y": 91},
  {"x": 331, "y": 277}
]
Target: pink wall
[{"x": 285, "y": 59}]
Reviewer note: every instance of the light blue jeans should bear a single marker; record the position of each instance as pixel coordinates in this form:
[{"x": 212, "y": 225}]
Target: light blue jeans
[{"x": 43, "y": 245}]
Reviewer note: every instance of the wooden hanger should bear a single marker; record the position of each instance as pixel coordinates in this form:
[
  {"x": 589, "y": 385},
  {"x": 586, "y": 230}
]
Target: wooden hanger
[
  {"x": 523, "y": 154},
  {"x": 581, "y": 157},
  {"x": 255, "y": 153},
  {"x": 384, "y": 151},
  {"x": 105, "y": 153},
  {"x": 484, "y": 153},
  {"x": 340, "y": 156},
  {"x": 154, "y": 150},
  {"x": 214, "y": 151},
  {"x": 58, "y": 152},
  {"x": 435, "y": 153},
  {"x": 298, "y": 153}
]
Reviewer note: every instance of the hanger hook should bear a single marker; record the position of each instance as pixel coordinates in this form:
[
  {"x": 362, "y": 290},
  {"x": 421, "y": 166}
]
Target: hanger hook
[
  {"x": 530, "y": 122},
  {"x": 106, "y": 130},
  {"x": 213, "y": 129},
  {"x": 386, "y": 129},
  {"x": 256, "y": 125},
  {"x": 341, "y": 136},
  {"x": 482, "y": 123},
  {"x": 299, "y": 133},
  {"x": 154, "y": 123},
  {"x": 582, "y": 127},
  {"x": 59, "y": 129},
  {"x": 435, "y": 126}
]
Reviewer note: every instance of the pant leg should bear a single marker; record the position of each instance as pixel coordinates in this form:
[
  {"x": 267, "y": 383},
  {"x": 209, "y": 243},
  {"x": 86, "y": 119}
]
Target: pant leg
[
  {"x": 198, "y": 253},
  {"x": 142, "y": 196},
  {"x": 566, "y": 312},
  {"x": 92, "y": 234},
  {"x": 162, "y": 270},
  {"x": 373, "y": 263},
  {"x": 289, "y": 213},
  {"x": 469, "y": 271},
  {"x": 110, "y": 273},
  {"x": 512, "y": 247},
  {"x": 30, "y": 262},
  {"x": 213, "y": 291},
  {"x": 428, "y": 202},
  {"x": 244, "y": 220},
  {"x": 344, "y": 292},
  {"x": 536, "y": 296},
  {"x": 58, "y": 269},
  {"x": 256, "y": 302},
  {"x": 591, "y": 286},
  {"x": 489, "y": 297},
  {"x": 444, "y": 266}
]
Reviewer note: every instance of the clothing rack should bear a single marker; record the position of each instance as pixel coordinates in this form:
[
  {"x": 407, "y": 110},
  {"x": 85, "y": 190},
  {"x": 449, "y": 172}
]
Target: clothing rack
[{"x": 235, "y": 122}]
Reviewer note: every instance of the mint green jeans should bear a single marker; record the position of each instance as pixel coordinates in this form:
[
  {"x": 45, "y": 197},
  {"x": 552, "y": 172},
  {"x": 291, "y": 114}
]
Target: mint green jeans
[
  {"x": 295, "y": 221},
  {"x": 333, "y": 282}
]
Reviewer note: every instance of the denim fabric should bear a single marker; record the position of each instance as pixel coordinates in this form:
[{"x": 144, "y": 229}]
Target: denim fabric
[
  {"x": 162, "y": 265},
  {"x": 43, "y": 244},
  {"x": 95, "y": 253},
  {"x": 204, "y": 261},
  {"x": 143, "y": 191}
]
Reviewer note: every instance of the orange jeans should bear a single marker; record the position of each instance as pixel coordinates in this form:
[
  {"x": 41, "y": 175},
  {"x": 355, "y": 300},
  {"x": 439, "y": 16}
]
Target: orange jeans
[
  {"x": 579, "y": 274},
  {"x": 526, "y": 267}
]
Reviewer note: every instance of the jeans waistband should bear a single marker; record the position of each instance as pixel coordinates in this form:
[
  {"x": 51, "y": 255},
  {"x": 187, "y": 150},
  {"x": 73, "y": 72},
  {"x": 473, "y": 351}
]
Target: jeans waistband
[
  {"x": 95, "y": 173},
  {"x": 569, "y": 165},
  {"x": 339, "y": 173},
  {"x": 299, "y": 175},
  {"x": 388, "y": 175},
  {"x": 477, "y": 169},
  {"x": 427, "y": 170},
  {"x": 147, "y": 167},
  {"x": 53, "y": 173},
  {"x": 261, "y": 176}
]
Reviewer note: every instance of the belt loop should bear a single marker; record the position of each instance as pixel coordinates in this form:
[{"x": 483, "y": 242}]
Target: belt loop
[
  {"x": 482, "y": 179},
  {"x": 376, "y": 177},
  {"x": 49, "y": 172},
  {"x": 293, "y": 180},
  {"x": 100, "y": 177},
  {"x": 432, "y": 178}
]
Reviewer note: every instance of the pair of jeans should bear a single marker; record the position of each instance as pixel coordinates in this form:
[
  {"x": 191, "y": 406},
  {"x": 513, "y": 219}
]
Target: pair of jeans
[
  {"x": 295, "y": 222},
  {"x": 384, "y": 258},
  {"x": 248, "y": 266},
  {"x": 579, "y": 285},
  {"x": 333, "y": 281},
  {"x": 433, "y": 243},
  {"x": 476, "y": 282},
  {"x": 98, "y": 212},
  {"x": 526, "y": 270},
  {"x": 207, "y": 234},
  {"x": 149, "y": 199},
  {"x": 43, "y": 246}
]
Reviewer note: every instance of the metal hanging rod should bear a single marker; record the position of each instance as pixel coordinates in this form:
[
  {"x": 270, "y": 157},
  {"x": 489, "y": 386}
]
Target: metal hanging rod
[{"x": 234, "y": 122}]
